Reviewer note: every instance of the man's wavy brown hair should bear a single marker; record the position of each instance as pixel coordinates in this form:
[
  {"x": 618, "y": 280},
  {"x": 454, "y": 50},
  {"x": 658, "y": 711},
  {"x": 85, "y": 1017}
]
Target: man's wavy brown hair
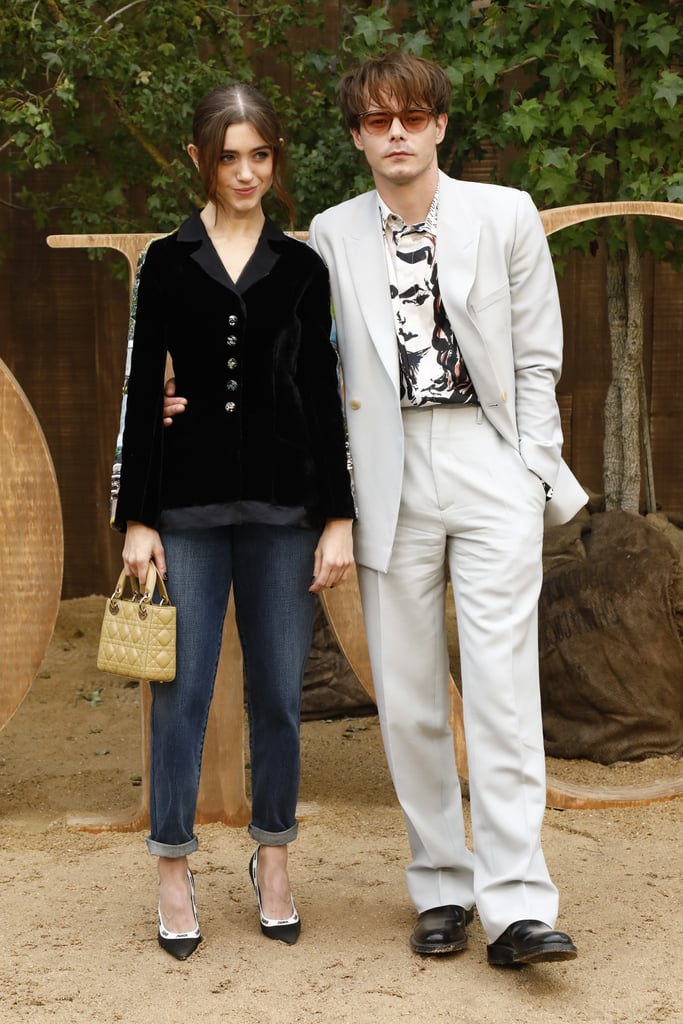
[{"x": 410, "y": 81}]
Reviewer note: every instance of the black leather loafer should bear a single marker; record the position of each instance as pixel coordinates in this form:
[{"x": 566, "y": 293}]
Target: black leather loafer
[
  {"x": 530, "y": 942},
  {"x": 440, "y": 930}
]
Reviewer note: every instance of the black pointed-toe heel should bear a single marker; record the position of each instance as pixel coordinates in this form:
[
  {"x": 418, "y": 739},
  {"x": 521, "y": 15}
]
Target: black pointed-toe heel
[
  {"x": 286, "y": 930},
  {"x": 181, "y": 944}
]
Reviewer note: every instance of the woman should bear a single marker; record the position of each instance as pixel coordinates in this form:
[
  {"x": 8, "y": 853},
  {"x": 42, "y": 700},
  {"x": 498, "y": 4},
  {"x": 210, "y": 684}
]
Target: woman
[{"x": 249, "y": 488}]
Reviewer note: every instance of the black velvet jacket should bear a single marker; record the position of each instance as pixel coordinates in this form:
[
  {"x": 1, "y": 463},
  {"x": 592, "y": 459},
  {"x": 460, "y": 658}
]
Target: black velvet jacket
[{"x": 264, "y": 420}]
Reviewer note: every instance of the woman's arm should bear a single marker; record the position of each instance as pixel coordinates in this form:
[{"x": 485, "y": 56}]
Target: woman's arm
[{"x": 141, "y": 458}]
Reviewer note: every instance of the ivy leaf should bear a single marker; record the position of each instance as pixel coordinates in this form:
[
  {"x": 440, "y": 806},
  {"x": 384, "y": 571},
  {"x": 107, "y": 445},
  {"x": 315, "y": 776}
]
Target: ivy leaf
[
  {"x": 114, "y": 196},
  {"x": 527, "y": 117},
  {"x": 662, "y": 38},
  {"x": 670, "y": 88},
  {"x": 598, "y": 164},
  {"x": 371, "y": 26},
  {"x": 556, "y": 157},
  {"x": 674, "y": 193}
]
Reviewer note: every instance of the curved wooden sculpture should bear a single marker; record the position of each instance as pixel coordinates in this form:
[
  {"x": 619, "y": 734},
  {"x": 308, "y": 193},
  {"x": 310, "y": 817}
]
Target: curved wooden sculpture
[
  {"x": 565, "y": 216},
  {"x": 31, "y": 545},
  {"x": 222, "y": 773}
]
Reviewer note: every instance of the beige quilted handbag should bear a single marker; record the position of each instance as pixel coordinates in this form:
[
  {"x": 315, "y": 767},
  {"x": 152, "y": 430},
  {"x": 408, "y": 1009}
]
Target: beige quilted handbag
[{"x": 138, "y": 638}]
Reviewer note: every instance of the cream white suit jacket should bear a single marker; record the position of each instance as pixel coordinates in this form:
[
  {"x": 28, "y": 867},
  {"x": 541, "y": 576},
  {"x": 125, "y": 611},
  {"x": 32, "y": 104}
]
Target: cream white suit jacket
[{"x": 498, "y": 287}]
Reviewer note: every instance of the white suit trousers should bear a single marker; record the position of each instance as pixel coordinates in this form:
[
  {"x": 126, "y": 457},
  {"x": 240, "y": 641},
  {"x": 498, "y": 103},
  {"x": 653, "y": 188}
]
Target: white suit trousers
[{"x": 469, "y": 503}]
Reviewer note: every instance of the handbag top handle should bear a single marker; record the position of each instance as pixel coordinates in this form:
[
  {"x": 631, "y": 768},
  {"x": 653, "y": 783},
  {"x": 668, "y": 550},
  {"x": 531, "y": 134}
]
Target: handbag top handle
[{"x": 154, "y": 579}]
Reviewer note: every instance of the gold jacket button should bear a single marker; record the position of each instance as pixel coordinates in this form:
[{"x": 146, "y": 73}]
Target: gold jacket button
[
  {"x": 504, "y": 396},
  {"x": 355, "y": 403}
]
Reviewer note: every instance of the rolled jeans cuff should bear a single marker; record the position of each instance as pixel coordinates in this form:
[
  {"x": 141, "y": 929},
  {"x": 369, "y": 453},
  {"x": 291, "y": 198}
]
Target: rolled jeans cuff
[
  {"x": 173, "y": 852},
  {"x": 274, "y": 838}
]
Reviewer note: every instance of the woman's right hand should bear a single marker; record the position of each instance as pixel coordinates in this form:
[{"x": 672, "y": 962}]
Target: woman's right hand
[{"x": 142, "y": 545}]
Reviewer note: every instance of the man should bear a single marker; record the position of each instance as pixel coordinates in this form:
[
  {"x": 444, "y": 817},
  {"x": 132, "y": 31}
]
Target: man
[{"x": 450, "y": 339}]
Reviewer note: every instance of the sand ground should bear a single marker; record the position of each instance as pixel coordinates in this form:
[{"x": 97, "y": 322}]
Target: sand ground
[{"x": 78, "y": 910}]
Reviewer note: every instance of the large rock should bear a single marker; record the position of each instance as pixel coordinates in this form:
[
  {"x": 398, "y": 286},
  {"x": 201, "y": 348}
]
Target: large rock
[
  {"x": 331, "y": 689},
  {"x": 610, "y": 634}
]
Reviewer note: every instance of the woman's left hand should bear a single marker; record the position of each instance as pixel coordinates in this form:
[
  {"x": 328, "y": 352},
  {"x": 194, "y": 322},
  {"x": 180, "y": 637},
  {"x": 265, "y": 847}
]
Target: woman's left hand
[{"x": 333, "y": 558}]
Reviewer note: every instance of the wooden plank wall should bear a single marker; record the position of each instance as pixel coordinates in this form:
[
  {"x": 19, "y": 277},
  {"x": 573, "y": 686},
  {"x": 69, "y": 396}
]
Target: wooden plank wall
[{"x": 63, "y": 324}]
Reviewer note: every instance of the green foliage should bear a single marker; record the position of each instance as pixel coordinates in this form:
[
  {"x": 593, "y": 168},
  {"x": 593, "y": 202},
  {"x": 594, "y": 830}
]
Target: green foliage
[
  {"x": 108, "y": 90},
  {"x": 581, "y": 99},
  {"x": 94, "y": 698},
  {"x": 586, "y": 96}
]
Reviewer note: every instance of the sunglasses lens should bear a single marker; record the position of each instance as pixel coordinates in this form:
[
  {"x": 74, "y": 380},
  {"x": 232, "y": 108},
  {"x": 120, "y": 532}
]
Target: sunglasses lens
[
  {"x": 376, "y": 124},
  {"x": 415, "y": 120}
]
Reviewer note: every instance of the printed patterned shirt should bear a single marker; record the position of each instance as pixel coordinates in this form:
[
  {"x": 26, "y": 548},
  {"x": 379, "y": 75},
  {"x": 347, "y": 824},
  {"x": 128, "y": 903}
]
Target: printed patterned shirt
[{"x": 432, "y": 369}]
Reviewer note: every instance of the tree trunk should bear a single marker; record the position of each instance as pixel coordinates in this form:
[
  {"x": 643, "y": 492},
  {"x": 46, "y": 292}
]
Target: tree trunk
[{"x": 621, "y": 459}]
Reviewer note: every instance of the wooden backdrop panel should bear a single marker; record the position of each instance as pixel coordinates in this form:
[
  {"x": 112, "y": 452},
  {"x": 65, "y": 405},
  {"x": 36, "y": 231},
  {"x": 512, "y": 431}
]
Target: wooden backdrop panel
[
  {"x": 63, "y": 323},
  {"x": 667, "y": 386},
  {"x": 343, "y": 607},
  {"x": 63, "y": 320},
  {"x": 587, "y": 357}
]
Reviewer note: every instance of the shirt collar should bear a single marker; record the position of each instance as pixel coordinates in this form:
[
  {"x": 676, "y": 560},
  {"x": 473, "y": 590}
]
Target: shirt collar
[{"x": 396, "y": 224}]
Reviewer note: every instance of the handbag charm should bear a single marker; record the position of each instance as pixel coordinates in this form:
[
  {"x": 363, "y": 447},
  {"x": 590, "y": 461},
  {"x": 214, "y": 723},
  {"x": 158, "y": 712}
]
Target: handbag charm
[{"x": 137, "y": 639}]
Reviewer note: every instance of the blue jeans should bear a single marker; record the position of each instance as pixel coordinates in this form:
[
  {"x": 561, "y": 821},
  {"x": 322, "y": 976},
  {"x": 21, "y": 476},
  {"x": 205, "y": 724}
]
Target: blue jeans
[{"x": 270, "y": 568}]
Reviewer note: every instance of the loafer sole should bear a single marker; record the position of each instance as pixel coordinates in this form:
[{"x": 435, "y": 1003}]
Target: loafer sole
[
  {"x": 437, "y": 949},
  {"x": 502, "y": 956}
]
